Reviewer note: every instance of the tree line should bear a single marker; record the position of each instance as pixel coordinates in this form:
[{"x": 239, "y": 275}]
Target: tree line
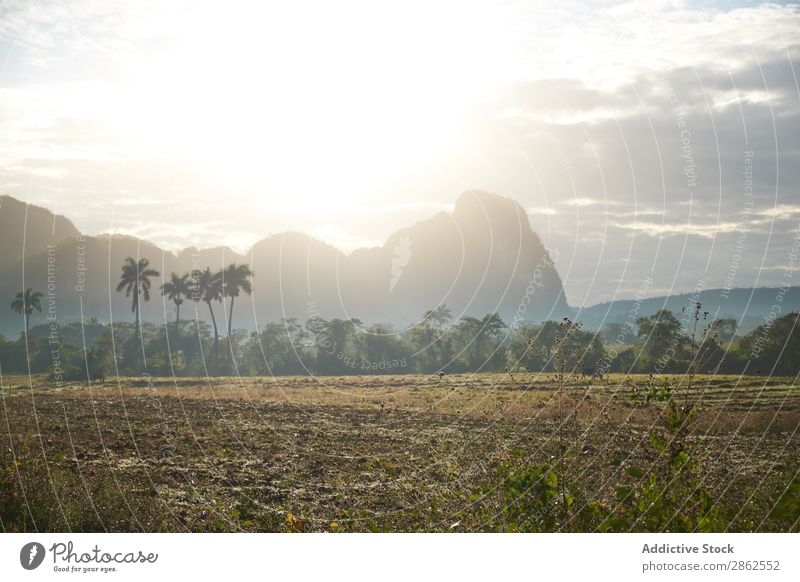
[{"x": 661, "y": 343}]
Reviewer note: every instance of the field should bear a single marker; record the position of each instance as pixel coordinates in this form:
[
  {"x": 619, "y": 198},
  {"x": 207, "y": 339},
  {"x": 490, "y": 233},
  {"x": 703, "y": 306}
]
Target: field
[{"x": 487, "y": 452}]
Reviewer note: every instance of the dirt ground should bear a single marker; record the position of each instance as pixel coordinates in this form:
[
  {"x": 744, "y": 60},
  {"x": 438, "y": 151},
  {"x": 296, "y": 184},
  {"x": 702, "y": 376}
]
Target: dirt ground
[{"x": 398, "y": 453}]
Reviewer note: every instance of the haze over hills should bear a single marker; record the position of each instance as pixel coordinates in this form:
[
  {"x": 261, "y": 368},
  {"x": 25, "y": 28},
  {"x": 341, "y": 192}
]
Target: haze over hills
[
  {"x": 26, "y": 230},
  {"x": 749, "y": 307},
  {"x": 481, "y": 258}
]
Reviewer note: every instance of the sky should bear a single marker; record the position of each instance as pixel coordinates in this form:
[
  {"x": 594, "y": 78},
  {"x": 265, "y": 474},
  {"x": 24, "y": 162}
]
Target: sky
[{"x": 643, "y": 138}]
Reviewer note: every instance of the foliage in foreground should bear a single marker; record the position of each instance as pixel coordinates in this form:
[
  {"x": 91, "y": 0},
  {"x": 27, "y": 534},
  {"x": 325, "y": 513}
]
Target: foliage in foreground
[
  {"x": 666, "y": 490},
  {"x": 56, "y": 496}
]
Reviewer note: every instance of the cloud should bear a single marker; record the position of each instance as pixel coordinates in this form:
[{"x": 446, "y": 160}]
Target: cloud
[
  {"x": 176, "y": 237},
  {"x": 580, "y": 202},
  {"x": 637, "y": 212},
  {"x": 780, "y": 212},
  {"x": 613, "y": 45},
  {"x": 337, "y": 237},
  {"x": 53, "y": 32},
  {"x": 668, "y": 229},
  {"x": 539, "y": 210},
  {"x": 332, "y": 206}
]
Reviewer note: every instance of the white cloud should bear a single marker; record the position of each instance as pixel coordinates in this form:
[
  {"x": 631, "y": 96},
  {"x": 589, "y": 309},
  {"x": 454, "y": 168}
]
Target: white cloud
[
  {"x": 332, "y": 206},
  {"x": 337, "y": 237},
  {"x": 637, "y": 212},
  {"x": 612, "y": 45},
  {"x": 176, "y": 237},
  {"x": 708, "y": 230},
  {"x": 780, "y": 212},
  {"x": 580, "y": 202},
  {"x": 723, "y": 99},
  {"x": 541, "y": 210}
]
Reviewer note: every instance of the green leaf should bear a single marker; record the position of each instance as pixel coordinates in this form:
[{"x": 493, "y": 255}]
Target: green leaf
[
  {"x": 658, "y": 442},
  {"x": 623, "y": 493},
  {"x": 635, "y": 472}
]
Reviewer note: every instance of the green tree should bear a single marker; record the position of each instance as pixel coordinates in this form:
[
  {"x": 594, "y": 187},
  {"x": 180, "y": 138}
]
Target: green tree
[
  {"x": 235, "y": 278},
  {"x": 279, "y": 348},
  {"x": 613, "y": 331},
  {"x": 664, "y": 341},
  {"x": 726, "y": 329},
  {"x": 333, "y": 341},
  {"x": 533, "y": 346},
  {"x": 135, "y": 280},
  {"x": 429, "y": 341},
  {"x": 25, "y": 302},
  {"x": 381, "y": 350},
  {"x": 480, "y": 342},
  {"x": 438, "y": 318},
  {"x": 208, "y": 288},
  {"x": 772, "y": 348},
  {"x": 175, "y": 290}
]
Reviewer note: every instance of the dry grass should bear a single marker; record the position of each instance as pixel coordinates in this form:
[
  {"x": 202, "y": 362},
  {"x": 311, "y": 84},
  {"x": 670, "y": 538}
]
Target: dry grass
[{"x": 365, "y": 452}]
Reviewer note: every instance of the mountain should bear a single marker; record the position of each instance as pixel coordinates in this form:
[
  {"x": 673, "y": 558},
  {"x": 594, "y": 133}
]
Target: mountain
[
  {"x": 27, "y": 230},
  {"x": 480, "y": 258}
]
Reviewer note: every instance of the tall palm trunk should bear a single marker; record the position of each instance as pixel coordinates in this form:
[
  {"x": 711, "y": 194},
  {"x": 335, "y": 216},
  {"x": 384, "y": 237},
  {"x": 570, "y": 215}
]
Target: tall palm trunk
[
  {"x": 136, "y": 309},
  {"x": 177, "y": 316},
  {"x": 230, "y": 340},
  {"x": 216, "y": 336},
  {"x": 138, "y": 340},
  {"x": 27, "y": 322},
  {"x": 230, "y": 317}
]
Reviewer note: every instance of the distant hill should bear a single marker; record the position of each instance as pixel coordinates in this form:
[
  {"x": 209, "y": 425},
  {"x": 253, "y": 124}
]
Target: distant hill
[
  {"x": 27, "y": 230},
  {"x": 480, "y": 258},
  {"x": 748, "y": 306}
]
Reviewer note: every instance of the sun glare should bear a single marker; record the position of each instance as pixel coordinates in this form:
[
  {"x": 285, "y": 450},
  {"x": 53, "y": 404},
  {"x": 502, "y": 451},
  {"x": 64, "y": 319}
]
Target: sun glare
[{"x": 341, "y": 109}]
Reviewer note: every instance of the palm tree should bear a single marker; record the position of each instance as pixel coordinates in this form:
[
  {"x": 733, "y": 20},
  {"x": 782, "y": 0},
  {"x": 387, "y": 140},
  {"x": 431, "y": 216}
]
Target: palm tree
[
  {"x": 235, "y": 278},
  {"x": 135, "y": 279},
  {"x": 439, "y": 317},
  {"x": 492, "y": 324},
  {"x": 175, "y": 290},
  {"x": 208, "y": 288},
  {"x": 26, "y": 302}
]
